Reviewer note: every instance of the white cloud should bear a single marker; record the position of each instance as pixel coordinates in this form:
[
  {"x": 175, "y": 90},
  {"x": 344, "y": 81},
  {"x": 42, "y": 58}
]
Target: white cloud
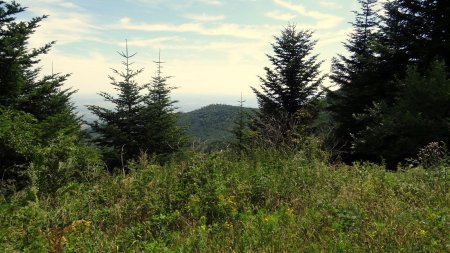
[
  {"x": 330, "y": 4},
  {"x": 67, "y": 23},
  {"x": 324, "y": 21},
  {"x": 147, "y": 2},
  {"x": 232, "y": 30},
  {"x": 69, "y": 29},
  {"x": 69, "y": 5},
  {"x": 65, "y": 4},
  {"x": 159, "y": 42},
  {"x": 210, "y": 2},
  {"x": 178, "y": 4},
  {"x": 225, "y": 63},
  {"x": 204, "y": 18},
  {"x": 280, "y": 16},
  {"x": 330, "y": 38}
]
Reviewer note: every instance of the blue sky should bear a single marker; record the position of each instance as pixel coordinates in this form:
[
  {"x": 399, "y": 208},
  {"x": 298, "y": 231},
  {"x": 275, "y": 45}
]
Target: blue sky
[{"x": 214, "y": 49}]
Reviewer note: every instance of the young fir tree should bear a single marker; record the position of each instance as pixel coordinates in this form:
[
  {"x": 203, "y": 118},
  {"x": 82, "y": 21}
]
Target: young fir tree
[
  {"x": 289, "y": 90},
  {"x": 120, "y": 129},
  {"x": 162, "y": 134},
  {"x": 240, "y": 130},
  {"x": 356, "y": 76},
  {"x": 35, "y": 110}
]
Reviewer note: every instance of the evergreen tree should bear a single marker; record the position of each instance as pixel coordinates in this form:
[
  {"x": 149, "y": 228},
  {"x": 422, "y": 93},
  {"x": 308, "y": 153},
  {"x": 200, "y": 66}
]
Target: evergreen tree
[
  {"x": 439, "y": 35},
  {"x": 420, "y": 115},
  {"x": 20, "y": 85},
  {"x": 413, "y": 33},
  {"x": 241, "y": 131},
  {"x": 119, "y": 129},
  {"x": 16, "y": 60},
  {"x": 162, "y": 134},
  {"x": 359, "y": 83},
  {"x": 35, "y": 111},
  {"x": 290, "y": 88}
]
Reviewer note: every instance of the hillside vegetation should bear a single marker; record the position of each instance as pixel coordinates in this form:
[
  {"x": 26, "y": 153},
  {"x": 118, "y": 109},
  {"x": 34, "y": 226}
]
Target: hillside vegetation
[
  {"x": 267, "y": 202},
  {"x": 211, "y": 126}
]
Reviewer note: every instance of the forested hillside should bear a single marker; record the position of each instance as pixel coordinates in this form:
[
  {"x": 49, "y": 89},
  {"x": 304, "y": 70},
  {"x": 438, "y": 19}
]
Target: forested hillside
[{"x": 211, "y": 126}]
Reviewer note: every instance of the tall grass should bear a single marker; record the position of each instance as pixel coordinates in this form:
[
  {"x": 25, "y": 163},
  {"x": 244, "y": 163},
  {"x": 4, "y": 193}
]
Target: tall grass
[{"x": 265, "y": 202}]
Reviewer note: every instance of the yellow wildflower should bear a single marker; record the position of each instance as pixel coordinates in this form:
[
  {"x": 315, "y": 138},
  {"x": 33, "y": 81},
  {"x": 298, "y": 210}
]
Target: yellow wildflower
[
  {"x": 228, "y": 225},
  {"x": 422, "y": 232}
]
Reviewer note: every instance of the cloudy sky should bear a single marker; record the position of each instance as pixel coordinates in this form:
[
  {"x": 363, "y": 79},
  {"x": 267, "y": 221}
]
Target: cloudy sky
[{"x": 214, "y": 49}]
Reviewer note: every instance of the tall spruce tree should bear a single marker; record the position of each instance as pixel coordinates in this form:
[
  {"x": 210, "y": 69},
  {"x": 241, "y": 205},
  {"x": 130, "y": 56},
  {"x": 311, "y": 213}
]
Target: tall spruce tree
[
  {"x": 35, "y": 109},
  {"x": 289, "y": 89},
  {"x": 162, "y": 134},
  {"x": 120, "y": 130},
  {"x": 357, "y": 79},
  {"x": 413, "y": 34}
]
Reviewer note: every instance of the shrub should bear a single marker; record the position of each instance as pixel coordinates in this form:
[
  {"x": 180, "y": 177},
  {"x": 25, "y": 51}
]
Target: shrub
[{"x": 432, "y": 155}]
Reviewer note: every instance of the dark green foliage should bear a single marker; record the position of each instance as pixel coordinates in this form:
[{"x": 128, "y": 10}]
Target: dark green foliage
[
  {"x": 28, "y": 154},
  {"x": 16, "y": 59},
  {"x": 414, "y": 32},
  {"x": 293, "y": 82},
  {"x": 120, "y": 130},
  {"x": 409, "y": 33},
  {"x": 139, "y": 122},
  {"x": 19, "y": 134},
  {"x": 358, "y": 80},
  {"x": 241, "y": 131},
  {"x": 35, "y": 111},
  {"x": 420, "y": 115},
  {"x": 162, "y": 134},
  {"x": 289, "y": 89},
  {"x": 20, "y": 84}
]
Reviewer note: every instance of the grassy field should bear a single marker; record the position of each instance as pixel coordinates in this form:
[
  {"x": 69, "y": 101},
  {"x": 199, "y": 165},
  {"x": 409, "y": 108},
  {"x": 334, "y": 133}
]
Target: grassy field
[{"x": 264, "y": 202}]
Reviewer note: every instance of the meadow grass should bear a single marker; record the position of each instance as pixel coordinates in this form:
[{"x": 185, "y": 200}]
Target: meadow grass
[{"x": 264, "y": 202}]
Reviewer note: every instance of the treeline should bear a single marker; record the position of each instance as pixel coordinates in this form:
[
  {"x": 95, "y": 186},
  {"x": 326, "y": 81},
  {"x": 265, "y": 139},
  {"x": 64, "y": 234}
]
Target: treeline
[
  {"x": 392, "y": 98},
  {"x": 391, "y": 89}
]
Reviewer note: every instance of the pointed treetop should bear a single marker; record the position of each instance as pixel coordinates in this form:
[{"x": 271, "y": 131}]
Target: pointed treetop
[{"x": 158, "y": 63}]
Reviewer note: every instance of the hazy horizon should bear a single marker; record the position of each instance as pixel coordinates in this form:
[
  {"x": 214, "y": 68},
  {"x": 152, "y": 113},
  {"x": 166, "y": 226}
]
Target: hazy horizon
[{"x": 185, "y": 102}]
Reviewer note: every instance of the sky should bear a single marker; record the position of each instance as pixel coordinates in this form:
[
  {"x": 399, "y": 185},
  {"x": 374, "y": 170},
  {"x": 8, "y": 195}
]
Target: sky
[{"x": 213, "y": 49}]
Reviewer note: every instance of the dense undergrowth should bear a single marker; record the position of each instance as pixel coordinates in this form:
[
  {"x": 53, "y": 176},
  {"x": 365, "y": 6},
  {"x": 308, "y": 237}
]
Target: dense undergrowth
[{"x": 264, "y": 202}]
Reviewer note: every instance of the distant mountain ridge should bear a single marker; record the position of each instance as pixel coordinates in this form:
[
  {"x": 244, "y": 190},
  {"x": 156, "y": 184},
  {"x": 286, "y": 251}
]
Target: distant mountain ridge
[{"x": 212, "y": 123}]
